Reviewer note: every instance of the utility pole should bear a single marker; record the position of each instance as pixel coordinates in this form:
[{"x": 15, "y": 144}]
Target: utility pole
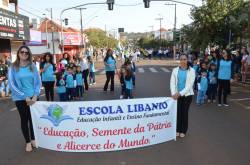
[
  {"x": 52, "y": 33},
  {"x": 80, "y": 9},
  {"x": 160, "y": 19}
]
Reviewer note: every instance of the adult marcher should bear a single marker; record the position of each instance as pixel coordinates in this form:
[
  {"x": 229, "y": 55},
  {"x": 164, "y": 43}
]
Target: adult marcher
[
  {"x": 25, "y": 85},
  {"x": 181, "y": 86},
  {"x": 110, "y": 67},
  {"x": 244, "y": 64},
  {"x": 83, "y": 62},
  {"x": 225, "y": 75},
  {"x": 47, "y": 70}
]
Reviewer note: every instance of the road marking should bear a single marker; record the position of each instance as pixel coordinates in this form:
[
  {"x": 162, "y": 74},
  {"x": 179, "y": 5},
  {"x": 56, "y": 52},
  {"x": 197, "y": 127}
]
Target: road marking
[
  {"x": 240, "y": 99},
  {"x": 153, "y": 70},
  {"x": 13, "y": 109},
  {"x": 141, "y": 70},
  {"x": 165, "y": 70},
  {"x": 103, "y": 72}
]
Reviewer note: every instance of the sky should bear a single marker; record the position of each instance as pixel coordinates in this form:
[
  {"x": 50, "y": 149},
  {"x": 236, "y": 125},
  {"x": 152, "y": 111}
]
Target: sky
[{"x": 128, "y": 14}]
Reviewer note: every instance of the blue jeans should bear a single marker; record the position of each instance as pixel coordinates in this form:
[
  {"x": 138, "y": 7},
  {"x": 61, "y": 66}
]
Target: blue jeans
[
  {"x": 91, "y": 77},
  {"x": 201, "y": 97},
  {"x": 79, "y": 90},
  {"x": 63, "y": 96},
  {"x": 4, "y": 87}
]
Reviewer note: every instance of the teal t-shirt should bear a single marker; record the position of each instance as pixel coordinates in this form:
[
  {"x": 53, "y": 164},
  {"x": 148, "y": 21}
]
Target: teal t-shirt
[
  {"x": 61, "y": 87},
  {"x": 225, "y": 70},
  {"x": 111, "y": 62},
  {"x": 182, "y": 76},
  {"x": 26, "y": 77},
  {"x": 79, "y": 79},
  {"x": 48, "y": 74}
]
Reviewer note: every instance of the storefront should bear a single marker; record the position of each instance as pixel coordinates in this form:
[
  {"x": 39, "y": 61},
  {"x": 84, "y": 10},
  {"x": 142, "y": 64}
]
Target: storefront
[{"x": 14, "y": 30}]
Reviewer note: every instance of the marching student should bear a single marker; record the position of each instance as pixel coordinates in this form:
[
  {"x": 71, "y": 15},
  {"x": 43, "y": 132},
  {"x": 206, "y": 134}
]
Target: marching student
[
  {"x": 91, "y": 71},
  {"x": 70, "y": 80},
  {"x": 48, "y": 69},
  {"x": 79, "y": 83},
  {"x": 225, "y": 76},
  {"x": 202, "y": 88},
  {"x": 212, "y": 83},
  {"x": 25, "y": 84},
  {"x": 60, "y": 87},
  {"x": 128, "y": 83},
  {"x": 110, "y": 68}
]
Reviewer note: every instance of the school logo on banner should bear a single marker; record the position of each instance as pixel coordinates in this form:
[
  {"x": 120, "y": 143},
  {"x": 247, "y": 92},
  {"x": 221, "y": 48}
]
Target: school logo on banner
[{"x": 55, "y": 114}]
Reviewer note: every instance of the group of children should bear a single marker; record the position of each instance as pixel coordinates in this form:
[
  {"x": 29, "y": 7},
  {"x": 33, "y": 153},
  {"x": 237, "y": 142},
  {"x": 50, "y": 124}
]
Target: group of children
[
  {"x": 205, "y": 82},
  {"x": 70, "y": 81}
]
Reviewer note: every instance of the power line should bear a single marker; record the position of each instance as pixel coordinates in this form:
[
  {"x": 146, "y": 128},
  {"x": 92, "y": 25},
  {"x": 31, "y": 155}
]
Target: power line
[{"x": 124, "y": 5}]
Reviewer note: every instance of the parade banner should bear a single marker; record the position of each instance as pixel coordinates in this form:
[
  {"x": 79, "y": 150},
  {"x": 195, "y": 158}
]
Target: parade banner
[{"x": 97, "y": 126}]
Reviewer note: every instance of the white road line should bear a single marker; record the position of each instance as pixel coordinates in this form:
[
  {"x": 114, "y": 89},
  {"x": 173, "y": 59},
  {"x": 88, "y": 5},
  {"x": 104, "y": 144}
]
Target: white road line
[
  {"x": 103, "y": 72},
  {"x": 240, "y": 99},
  {"x": 153, "y": 70},
  {"x": 141, "y": 70},
  {"x": 165, "y": 70},
  {"x": 13, "y": 109}
]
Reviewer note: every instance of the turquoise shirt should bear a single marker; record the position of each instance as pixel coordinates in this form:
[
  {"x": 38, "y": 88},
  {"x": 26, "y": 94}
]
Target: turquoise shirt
[
  {"x": 204, "y": 84},
  {"x": 61, "y": 87},
  {"x": 182, "y": 76},
  {"x": 26, "y": 77},
  {"x": 225, "y": 70},
  {"x": 129, "y": 84},
  {"x": 69, "y": 81},
  {"x": 79, "y": 79},
  {"x": 48, "y": 74},
  {"x": 211, "y": 77},
  {"x": 92, "y": 67},
  {"x": 111, "y": 62}
]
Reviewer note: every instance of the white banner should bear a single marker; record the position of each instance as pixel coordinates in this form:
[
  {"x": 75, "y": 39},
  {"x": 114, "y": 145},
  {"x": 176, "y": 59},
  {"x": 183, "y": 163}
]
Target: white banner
[{"x": 97, "y": 126}]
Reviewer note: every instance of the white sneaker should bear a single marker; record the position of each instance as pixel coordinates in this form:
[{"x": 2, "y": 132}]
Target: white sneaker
[
  {"x": 94, "y": 83},
  {"x": 226, "y": 105},
  {"x": 90, "y": 84},
  {"x": 121, "y": 97},
  {"x": 28, "y": 147},
  {"x": 219, "y": 105}
]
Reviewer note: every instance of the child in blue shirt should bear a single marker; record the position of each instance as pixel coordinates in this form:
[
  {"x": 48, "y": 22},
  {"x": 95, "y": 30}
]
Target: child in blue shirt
[
  {"x": 70, "y": 80},
  {"x": 202, "y": 88},
  {"x": 212, "y": 83},
  {"x": 79, "y": 83},
  {"x": 91, "y": 71},
  {"x": 60, "y": 87},
  {"x": 128, "y": 83}
]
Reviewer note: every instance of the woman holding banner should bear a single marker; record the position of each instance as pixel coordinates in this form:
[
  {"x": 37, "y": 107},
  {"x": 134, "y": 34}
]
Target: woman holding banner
[
  {"x": 25, "y": 85},
  {"x": 181, "y": 86}
]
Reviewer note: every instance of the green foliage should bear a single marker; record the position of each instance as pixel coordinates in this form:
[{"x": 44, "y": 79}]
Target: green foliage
[
  {"x": 212, "y": 22},
  {"x": 99, "y": 39}
]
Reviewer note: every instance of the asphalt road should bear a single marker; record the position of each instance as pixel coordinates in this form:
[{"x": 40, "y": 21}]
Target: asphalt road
[{"x": 216, "y": 136}]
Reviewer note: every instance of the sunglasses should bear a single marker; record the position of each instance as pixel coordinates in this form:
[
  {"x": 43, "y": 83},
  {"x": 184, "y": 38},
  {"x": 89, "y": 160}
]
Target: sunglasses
[{"x": 24, "y": 52}]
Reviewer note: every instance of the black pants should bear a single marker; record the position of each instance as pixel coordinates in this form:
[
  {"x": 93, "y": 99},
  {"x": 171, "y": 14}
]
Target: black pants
[
  {"x": 49, "y": 90},
  {"x": 110, "y": 75},
  {"x": 211, "y": 92},
  {"x": 85, "y": 74},
  {"x": 224, "y": 86},
  {"x": 79, "y": 91},
  {"x": 26, "y": 122},
  {"x": 183, "y": 104}
]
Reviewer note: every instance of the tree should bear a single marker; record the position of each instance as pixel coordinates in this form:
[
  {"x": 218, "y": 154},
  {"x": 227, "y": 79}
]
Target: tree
[
  {"x": 213, "y": 22},
  {"x": 99, "y": 39}
]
